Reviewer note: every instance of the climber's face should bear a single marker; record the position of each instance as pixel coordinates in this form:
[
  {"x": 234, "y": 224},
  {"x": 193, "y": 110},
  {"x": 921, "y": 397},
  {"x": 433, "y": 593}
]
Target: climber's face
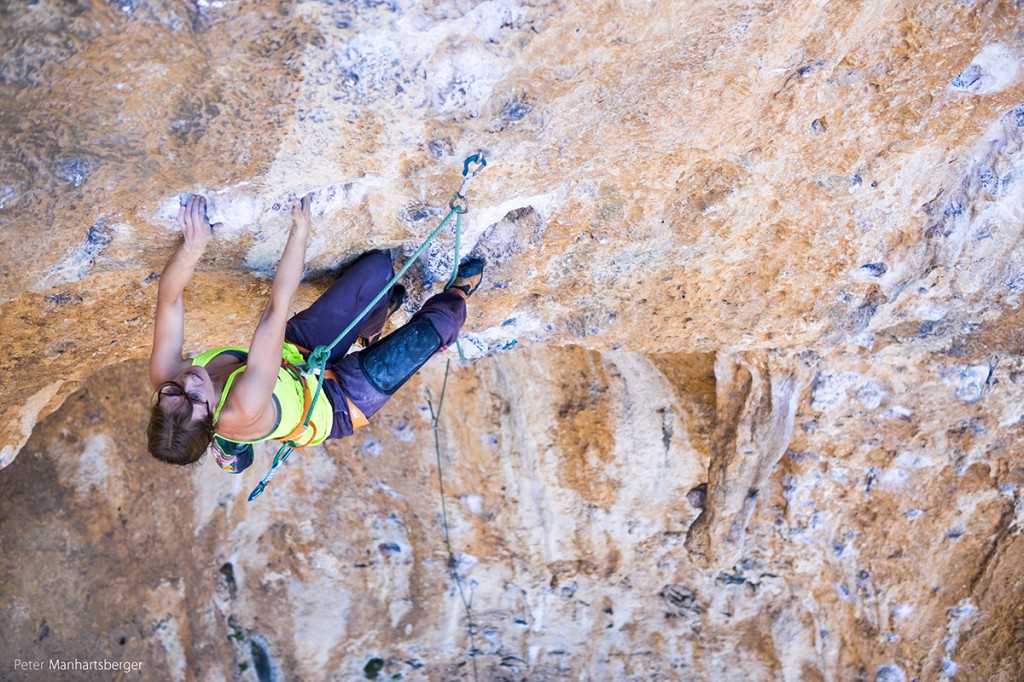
[{"x": 194, "y": 386}]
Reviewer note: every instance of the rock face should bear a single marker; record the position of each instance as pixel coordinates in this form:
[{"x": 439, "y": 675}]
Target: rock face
[{"x": 763, "y": 262}]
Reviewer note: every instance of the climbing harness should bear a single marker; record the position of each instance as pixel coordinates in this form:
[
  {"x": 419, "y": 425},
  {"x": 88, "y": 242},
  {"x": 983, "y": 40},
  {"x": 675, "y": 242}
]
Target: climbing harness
[{"x": 316, "y": 364}]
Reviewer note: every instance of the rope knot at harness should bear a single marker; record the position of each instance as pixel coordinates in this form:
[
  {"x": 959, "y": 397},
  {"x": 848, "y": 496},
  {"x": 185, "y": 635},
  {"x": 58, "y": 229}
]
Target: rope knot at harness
[{"x": 317, "y": 360}]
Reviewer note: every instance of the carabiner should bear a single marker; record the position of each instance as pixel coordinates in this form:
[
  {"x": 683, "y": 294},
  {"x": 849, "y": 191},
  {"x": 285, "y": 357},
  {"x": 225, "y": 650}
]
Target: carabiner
[
  {"x": 476, "y": 158},
  {"x": 458, "y": 203},
  {"x": 256, "y": 491}
]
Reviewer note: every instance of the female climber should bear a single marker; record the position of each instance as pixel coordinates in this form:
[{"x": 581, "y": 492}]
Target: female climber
[{"x": 231, "y": 398}]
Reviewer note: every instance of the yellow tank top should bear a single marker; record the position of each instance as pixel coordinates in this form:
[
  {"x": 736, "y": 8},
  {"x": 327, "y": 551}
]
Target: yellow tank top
[{"x": 289, "y": 397}]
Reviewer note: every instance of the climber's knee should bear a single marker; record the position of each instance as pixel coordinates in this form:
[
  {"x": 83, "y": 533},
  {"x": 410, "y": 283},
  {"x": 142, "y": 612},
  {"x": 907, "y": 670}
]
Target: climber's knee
[{"x": 390, "y": 362}]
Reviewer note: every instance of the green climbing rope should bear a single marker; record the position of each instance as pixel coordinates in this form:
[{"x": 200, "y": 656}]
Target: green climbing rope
[{"x": 316, "y": 363}]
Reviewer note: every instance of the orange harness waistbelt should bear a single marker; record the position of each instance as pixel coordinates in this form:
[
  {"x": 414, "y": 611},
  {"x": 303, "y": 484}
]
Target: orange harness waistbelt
[{"x": 357, "y": 416}]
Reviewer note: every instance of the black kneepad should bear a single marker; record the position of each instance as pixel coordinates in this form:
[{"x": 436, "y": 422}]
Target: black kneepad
[{"x": 390, "y": 362}]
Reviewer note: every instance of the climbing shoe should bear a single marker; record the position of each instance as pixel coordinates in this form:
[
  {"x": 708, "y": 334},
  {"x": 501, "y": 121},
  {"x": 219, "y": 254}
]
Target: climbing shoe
[
  {"x": 398, "y": 296},
  {"x": 469, "y": 276}
]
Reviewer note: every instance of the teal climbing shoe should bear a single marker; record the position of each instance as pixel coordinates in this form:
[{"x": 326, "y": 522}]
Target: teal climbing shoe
[{"x": 469, "y": 276}]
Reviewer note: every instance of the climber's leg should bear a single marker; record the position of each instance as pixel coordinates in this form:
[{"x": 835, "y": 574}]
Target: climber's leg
[
  {"x": 360, "y": 282},
  {"x": 370, "y": 377}
]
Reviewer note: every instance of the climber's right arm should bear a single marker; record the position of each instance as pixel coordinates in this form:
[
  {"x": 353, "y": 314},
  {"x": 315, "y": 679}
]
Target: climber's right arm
[
  {"x": 166, "y": 360},
  {"x": 250, "y": 396}
]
